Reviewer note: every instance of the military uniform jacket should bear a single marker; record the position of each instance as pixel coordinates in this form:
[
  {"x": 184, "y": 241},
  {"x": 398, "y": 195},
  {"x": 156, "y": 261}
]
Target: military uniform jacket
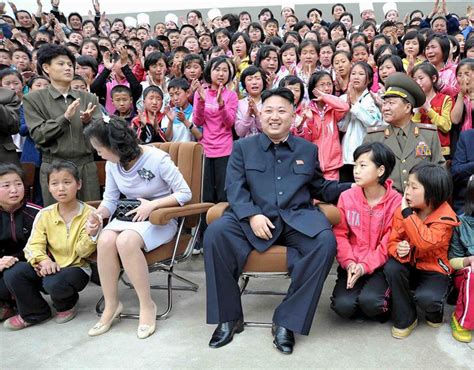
[
  {"x": 422, "y": 144},
  {"x": 278, "y": 181},
  {"x": 9, "y": 125}
]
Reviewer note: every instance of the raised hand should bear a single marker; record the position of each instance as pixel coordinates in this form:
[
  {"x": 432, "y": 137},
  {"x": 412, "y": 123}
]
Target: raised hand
[
  {"x": 219, "y": 97},
  {"x": 107, "y": 60},
  {"x": 72, "y": 109},
  {"x": 86, "y": 115}
]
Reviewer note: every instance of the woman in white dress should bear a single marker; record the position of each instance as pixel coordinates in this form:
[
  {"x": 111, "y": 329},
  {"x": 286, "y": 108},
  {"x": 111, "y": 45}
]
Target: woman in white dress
[{"x": 138, "y": 172}]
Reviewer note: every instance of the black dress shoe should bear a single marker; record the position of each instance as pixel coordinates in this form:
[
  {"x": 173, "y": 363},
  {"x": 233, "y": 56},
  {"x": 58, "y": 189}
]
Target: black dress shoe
[
  {"x": 284, "y": 340},
  {"x": 225, "y": 332}
]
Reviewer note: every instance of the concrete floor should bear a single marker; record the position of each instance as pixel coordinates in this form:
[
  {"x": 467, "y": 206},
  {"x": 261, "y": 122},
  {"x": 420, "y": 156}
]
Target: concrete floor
[{"x": 181, "y": 340}]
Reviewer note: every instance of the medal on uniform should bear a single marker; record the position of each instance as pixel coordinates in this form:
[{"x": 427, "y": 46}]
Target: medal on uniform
[{"x": 422, "y": 150}]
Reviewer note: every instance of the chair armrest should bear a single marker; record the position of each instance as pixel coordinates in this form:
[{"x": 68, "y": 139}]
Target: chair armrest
[
  {"x": 216, "y": 211},
  {"x": 164, "y": 215}
]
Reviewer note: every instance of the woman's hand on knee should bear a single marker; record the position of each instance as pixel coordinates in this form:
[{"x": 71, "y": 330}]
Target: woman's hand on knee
[{"x": 7, "y": 261}]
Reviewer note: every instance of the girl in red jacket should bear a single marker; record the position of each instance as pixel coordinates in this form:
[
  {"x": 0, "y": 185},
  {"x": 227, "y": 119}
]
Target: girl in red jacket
[
  {"x": 324, "y": 111},
  {"x": 418, "y": 269},
  {"x": 362, "y": 235}
]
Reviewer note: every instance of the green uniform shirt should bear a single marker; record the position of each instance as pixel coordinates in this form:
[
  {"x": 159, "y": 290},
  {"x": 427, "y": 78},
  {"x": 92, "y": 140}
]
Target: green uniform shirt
[{"x": 421, "y": 144}]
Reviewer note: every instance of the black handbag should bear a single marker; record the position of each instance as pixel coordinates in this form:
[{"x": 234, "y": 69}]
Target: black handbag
[{"x": 123, "y": 207}]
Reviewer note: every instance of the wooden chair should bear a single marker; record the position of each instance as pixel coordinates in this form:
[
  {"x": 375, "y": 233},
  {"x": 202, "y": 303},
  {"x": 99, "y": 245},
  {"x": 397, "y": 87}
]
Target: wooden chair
[
  {"x": 189, "y": 158},
  {"x": 268, "y": 264}
]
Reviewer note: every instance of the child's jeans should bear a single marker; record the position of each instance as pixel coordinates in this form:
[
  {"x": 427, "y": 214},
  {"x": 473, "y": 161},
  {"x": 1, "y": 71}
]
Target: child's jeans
[
  {"x": 464, "y": 283},
  {"x": 26, "y": 286}
]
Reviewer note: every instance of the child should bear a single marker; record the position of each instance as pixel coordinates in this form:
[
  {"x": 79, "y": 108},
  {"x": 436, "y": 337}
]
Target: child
[
  {"x": 418, "y": 269},
  {"x": 147, "y": 124},
  {"x": 325, "y": 110},
  {"x": 215, "y": 110},
  {"x": 363, "y": 233},
  {"x": 123, "y": 102},
  {"x": 178, "y": 122},
  {"x": 176, "y": 60},
  {"x": 461, "y": 259},
  {"x": 55, "y": 255},
  {"x": 5, "y": 57},
  {"x": 247, "y": 122},
  {"x": 437, "y": 108},
  {"x": 78, "y": 83},
  {"x": 192, "y": 67},
  {"x": 363, "y": 113},
  {"x": 296, "y": 86},
  {"x": 289, "y": 60},
  {"x": 461, "y": 113},
  {"x": 19, "y": 215},
  {"x": 38, "y": 83}
]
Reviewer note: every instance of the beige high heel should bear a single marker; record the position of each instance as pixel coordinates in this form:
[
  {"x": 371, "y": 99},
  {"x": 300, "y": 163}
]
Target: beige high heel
[
  {"x": 100, "y": 328},
  {"x": 144, "y": 331}
]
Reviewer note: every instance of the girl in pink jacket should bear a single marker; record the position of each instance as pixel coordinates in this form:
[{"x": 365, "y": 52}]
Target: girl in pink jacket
[
  {"x": 324, "y": 111},
  {"x": 215, "y": 110},
  {"x": 362, "y": 235}
]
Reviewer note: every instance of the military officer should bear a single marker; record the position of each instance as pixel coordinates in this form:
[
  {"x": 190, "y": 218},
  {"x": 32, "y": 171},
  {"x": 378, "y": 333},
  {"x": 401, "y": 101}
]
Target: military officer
[{"x": 411, "y": 142}]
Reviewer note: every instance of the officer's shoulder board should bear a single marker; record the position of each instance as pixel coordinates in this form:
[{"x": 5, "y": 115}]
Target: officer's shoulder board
[
  {"x": 427, "y": 126},
  {"x": 372, "y": 130}
]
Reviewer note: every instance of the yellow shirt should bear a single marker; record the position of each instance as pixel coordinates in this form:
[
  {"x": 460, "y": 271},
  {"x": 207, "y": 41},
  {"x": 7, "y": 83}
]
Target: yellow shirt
[{"x": 69, "y": 246}]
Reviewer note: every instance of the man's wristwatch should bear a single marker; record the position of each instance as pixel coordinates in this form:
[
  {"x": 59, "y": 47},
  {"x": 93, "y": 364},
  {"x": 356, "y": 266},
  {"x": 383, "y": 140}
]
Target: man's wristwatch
[{"x": 191, "y": 126}]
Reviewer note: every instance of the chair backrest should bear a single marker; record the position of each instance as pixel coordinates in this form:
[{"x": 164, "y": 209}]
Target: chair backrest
[{"x": 189, "y": 158}]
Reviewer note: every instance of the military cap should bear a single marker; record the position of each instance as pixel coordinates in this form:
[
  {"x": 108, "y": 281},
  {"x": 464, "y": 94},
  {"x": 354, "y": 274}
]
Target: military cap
[{"x": 400, "y": 85}]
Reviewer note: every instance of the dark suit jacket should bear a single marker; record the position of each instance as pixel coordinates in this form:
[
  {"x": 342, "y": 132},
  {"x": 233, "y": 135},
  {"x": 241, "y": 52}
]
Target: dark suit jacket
[
  {"x": 9, "y": 125},
  {"x": 279, "y": 182},
  {"x": 462, "y": 167}
]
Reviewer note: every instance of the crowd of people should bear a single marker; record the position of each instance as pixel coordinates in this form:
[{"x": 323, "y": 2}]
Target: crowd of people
[{"x": 375, "y": 116}]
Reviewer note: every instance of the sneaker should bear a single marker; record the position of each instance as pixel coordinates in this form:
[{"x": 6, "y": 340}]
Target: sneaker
[
  {"x": 459, "y": 333},
  {"x": 6, "y": 312},
  {"x": 403, "y": 333},
  {"x": 65, "y": 316},
  {"x": 16, "y": 323}
]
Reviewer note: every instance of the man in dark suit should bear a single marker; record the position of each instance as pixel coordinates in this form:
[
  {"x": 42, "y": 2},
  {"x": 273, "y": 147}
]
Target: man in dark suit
[
  {"x": 9, "y": 125},
  {"x": 270, "y": 183},
  {"x": 462, "y": 167}
]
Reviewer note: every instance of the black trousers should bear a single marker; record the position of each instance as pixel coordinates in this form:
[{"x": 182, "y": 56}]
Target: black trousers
[
  {"x": 26, "y": 286},
  {"x": 411, "y": 287},
  {"x": 214, "y": 179},
  {"x": 5, "y": 295},
  {"x": 370, "y": 296},
  {"x": 309, "y": 261}
]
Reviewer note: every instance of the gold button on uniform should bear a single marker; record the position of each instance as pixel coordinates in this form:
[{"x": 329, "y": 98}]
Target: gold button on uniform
[{"x": 404, "y": 171}]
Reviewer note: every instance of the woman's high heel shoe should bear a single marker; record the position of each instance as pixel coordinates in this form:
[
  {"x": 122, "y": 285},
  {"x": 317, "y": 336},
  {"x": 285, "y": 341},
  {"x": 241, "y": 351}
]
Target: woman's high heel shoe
[
  {"x": 100, "y": 328},
  {"x": 144, "y": 331}
]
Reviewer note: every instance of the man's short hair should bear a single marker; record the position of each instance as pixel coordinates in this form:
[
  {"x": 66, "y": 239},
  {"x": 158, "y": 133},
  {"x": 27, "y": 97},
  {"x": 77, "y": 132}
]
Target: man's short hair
[
  {"x": 118, "y": 89},
  {"x": 48, "y": 52},
  {"x": 282, "y": 92}
]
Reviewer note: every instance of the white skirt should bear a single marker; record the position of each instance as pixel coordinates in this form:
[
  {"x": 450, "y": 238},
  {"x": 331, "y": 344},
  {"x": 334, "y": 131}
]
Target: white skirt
[{"x": 153, "y": 235}]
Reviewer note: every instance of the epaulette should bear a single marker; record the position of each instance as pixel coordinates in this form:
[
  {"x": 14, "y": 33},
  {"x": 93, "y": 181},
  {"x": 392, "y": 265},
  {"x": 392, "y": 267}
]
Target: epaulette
[
  {"x": 427, "y": 126},
  {"x": 372, "y": 130}
]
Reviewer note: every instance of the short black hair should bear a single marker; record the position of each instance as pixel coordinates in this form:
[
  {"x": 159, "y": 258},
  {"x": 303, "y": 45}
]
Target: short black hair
[
  {"x": 11, "y": 72},
  {"x": 282, "y": 92},
  {"x": 335, "y": 25},
  {"x": 288, "y": 46},
  {"x": 313, "y": 80},
  {"x": 33, "y": 79},
  {"x": 396, "y": 61},
  {"x": 189, "y": 26},
  {"x": 274, "y": 21},
  {"x": 308, "y": 42},
  {"x": 224, "y": 31},
  {"x": 412, "y": 35},
  {"x": 88, "y": 61},
  {"x": 358, "y": 34},
  {"x": 48, "y": 52},
  {"x": 380, "y": 36},
  {"x": 383, "y": 48},
  {"x": 443, "y": 42},
  {"x": 216, "y": 62},
  {"x": 369, "y": 72},
  {"x": 265, "y": 10},
  {"x": 264, "y": 52},
  {"x": 436, "y": 181},
  {"x": 79, "y": 78},
  {"x": 117, "y": 89},
  {"x": 308, "y": 13},
  {"x": 337, "y": 4},
  {"x": 246, "y": 38},
  {"x": 293, "y": 80},
  {"x": 8, "y": 168},
  {"x": 178, "y": 83},
  {"x": 192, "y": 58},
  {"x": 386, "y": 24},
  {"x": 61, "y": 165},
  {"x": 153, "y": 88},
  {"x": 153, "y": 58},
  {"x": 257, "y": 26},
  {"x": 274, "y": 41},
  {"x": 155, "y": 43},
  {"x": 250, "y": 71},
  {"x": 381, "y": 155},
  {"x": 294, "y": 34},
  {"x": 23, "y": 49},
  {"x": 72, "y": 15},
  {"x": 298, "y": 26},
  {"x": 115, "y": 135}
]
